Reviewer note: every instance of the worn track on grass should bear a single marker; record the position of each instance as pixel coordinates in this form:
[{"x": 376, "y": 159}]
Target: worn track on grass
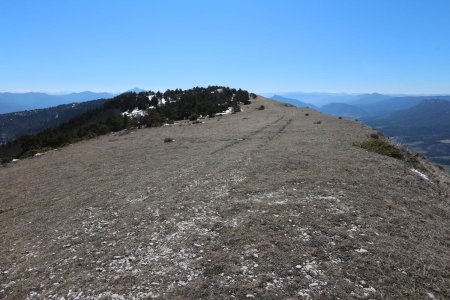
[{"x": 262, "y": 204}]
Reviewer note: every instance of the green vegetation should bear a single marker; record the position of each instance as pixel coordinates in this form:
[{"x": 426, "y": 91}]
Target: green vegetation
[
  {"x": 193, "y": 117},
  {"x": 382, "y": 147},
  {"x": 116, "y": 114}
]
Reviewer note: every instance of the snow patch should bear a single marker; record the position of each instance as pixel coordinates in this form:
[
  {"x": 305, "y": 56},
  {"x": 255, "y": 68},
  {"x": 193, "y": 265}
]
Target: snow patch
[
  {"x": 227, "y": 112},
  {"x": 423, "y": 176},
  {"x": 361, "y": 251},
  {"x": 135, "y": 113}
]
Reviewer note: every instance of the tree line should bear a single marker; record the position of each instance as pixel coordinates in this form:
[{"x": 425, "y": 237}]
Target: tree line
[{"x": 114, "y": 115}]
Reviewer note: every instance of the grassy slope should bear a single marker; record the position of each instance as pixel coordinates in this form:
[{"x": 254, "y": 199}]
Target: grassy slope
[{"x": 263, "y": 203}]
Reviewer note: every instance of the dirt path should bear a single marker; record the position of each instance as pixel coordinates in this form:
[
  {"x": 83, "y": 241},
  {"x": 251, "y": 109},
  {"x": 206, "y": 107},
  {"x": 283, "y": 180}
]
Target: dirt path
[{"x": 260, "y": 204}]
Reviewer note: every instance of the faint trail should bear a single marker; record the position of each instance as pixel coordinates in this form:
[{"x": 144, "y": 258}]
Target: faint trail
[
  {"x": 248, "y": 136},
  {"x": 282, "y": 128}
]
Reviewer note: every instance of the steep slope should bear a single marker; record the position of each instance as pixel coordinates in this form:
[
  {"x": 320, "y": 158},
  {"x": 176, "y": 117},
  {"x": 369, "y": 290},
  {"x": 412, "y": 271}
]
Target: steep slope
[
  {"x": 260, "y": 204},
  {"x": 14, "y": 125}
]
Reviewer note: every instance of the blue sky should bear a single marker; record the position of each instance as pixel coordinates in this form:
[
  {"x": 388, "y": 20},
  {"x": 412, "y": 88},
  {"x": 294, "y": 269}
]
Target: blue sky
[{"x": 390, "y": 46}]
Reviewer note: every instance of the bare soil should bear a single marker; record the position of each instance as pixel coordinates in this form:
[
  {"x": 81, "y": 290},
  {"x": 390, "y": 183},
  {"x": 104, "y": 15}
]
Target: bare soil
[{"x": 264, "y": 204}]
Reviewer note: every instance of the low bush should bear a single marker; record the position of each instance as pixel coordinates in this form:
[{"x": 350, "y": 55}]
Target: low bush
[
  {"x": 193, "y": 117},
  {"x": 306, "y": 114},
  {"x": 377, "y": 135},
  {"x": 382, "y": 147},
  {"x": 262, "y": 107},
  {"x": 4, "y": 161},
  {"x": 168, "y": 140}
]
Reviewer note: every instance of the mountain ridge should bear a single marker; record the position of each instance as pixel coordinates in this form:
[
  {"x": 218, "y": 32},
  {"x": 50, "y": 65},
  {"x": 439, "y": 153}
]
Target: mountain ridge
[
  {"x": 14, "y": 102},
  {"x": 265, "y": 203}
]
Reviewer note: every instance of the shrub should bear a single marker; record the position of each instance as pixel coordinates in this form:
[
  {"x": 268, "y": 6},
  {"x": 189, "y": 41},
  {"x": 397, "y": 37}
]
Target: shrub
[
  {"x": 34, "y": 151},
  {"x": 197, "y": 122},
  {"x": 340, "y": 118},
  {"x": 193, "y": 117},
  {"x": 382, "y": 147},
  {"x": 4, "y": 161},
  {"x": 376, "y": 135},
  {"x": 253, "y": 95},
  {"x": 262, "y": 107},
  {"x": 318, "y": 122},
  {"x": 153, "y": 119},
  {"x": 306, "y": 114},
  {"x": 168, "y": 140}
]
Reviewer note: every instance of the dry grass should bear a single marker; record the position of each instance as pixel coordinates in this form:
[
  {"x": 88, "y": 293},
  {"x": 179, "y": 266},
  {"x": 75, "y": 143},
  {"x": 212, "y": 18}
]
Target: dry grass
[{"x": 260, "y": 203}]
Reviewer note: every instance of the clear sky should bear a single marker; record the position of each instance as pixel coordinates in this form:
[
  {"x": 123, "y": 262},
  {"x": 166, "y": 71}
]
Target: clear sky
[{"x": 388, "y": 46}]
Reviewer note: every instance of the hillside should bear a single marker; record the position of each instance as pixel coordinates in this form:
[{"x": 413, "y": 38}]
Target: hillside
[
  {"x": 127, "y": 110},
  {"x": 16, "y": 124},
  {"x": 263, "y": 204}
]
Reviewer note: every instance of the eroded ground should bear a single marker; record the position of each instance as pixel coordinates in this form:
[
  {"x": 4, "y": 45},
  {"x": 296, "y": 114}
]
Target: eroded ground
[{"x": 260, "y": 204}]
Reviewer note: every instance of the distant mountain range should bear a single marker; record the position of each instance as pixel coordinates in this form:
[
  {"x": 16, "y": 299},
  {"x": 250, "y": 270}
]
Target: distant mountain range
[
  {"x": 345, "y": 110},
  {"x": 16, "y": 124},
  {"x": 424, "y": 128},
  {"x": 293, "y": 101},
  {"x": 355, "y": 105},
  {"x": 12, "y": 102}
]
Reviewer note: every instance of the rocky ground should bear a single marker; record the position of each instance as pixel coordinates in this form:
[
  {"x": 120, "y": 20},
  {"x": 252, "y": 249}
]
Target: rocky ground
[{"x": 263, "y": 204}]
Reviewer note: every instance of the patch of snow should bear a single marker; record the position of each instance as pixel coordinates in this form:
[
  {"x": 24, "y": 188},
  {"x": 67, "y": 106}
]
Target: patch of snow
[
  {"x": 38, "y": 154},
  {"x": 327, "y": 198},
  {"x": 15, "y": 160},
  {"x": 135, "y": 113},
  {"x": 423, "y": 176},
  {"x": 361, "y": 251},
  {"x": 227, "y": 112}
]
